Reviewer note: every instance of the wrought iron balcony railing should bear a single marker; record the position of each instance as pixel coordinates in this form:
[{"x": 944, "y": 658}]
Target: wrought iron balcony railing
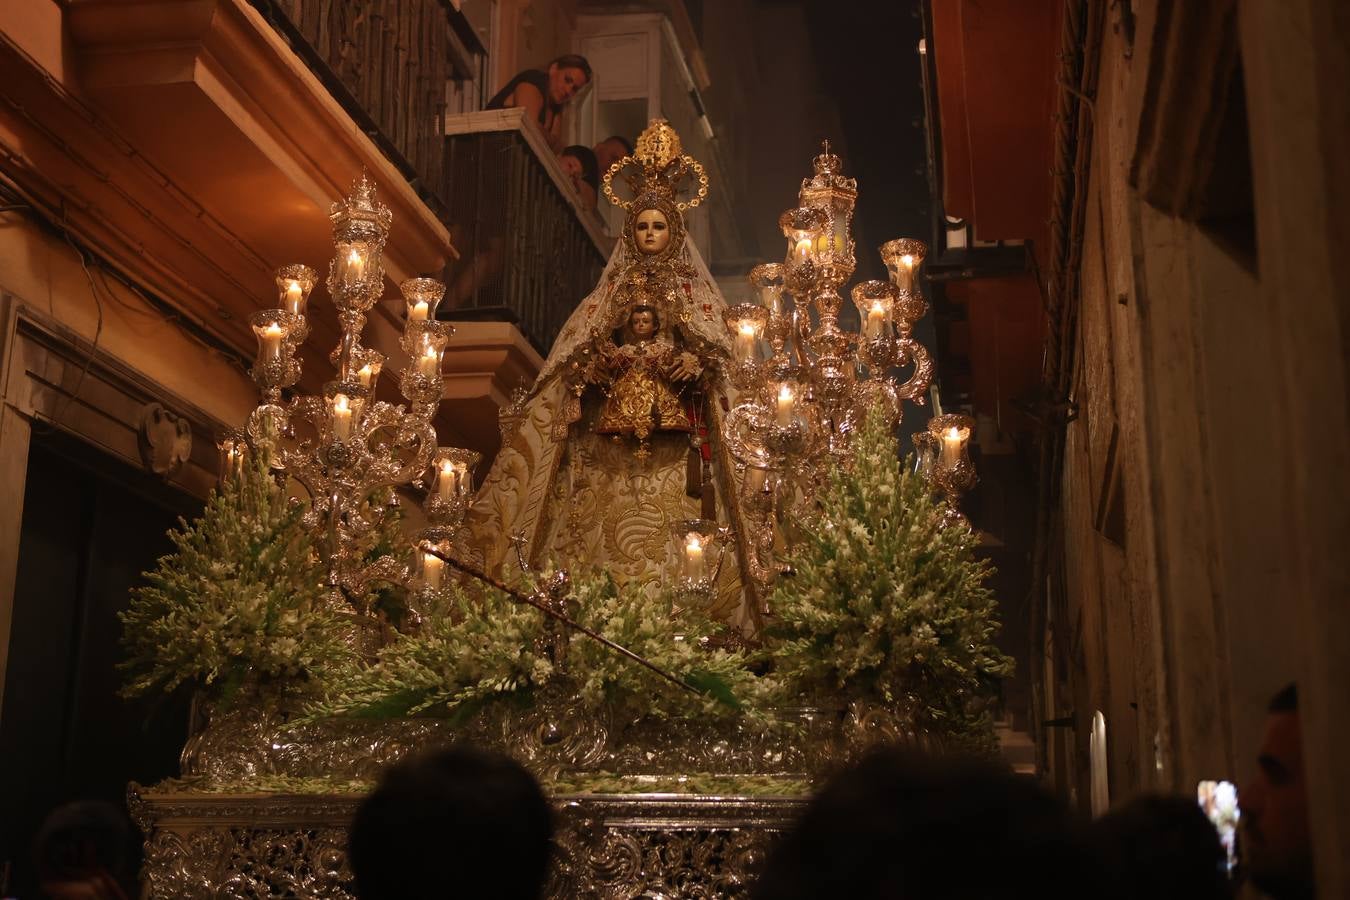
[
  {"x": 528, "y": 250},
  {"x": 388, "y": 63}
]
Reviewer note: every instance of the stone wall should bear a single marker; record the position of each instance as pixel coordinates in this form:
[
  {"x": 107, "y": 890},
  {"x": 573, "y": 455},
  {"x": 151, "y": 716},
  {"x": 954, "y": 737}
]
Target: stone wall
[{"x": 1202, "y": 516}]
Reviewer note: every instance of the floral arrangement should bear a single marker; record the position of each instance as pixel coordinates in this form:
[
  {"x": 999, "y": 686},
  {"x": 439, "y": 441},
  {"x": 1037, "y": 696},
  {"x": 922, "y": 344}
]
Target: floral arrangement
[
  {"x": 889, "y": 604},
  {"x": 475, "y": 648},
  {"x": 241, "y": 598}
]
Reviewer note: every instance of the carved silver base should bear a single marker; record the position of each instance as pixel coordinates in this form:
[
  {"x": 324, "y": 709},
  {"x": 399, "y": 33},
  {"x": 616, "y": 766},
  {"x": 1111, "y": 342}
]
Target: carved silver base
[
  {"x": 201, "y": 845},
  {"x": 555, "y": 737}
]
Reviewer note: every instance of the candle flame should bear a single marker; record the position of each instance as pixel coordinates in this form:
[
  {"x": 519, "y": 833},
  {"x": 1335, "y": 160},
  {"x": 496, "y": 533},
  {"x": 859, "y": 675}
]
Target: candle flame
[
  {"x": 747, "y": 328},
  {"x": 341, "y": 404},
  {"x": 354, "y": 257},
  {"x": 908, "y": 261},
  {"x": 694, "y": 542},
  {"x": 953, "y": 434},
  {"x": 365, "y": 373},
  {"x": 785, "y": 394},
  {"x": 430, "y": 351},
  {"x": 447, "y": 468},
  {"x": 878, "y": 307},
  {"x": 274, "y": 330},
  {"x": 293, "y": 287}
]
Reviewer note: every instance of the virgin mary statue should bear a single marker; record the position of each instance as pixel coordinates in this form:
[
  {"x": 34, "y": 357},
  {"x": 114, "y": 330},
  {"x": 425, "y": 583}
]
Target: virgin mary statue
[{"x": 620, "y": 437}]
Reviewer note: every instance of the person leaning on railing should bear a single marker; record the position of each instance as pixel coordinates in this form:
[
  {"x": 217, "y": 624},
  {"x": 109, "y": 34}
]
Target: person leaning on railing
[
  {"x": 543, "y": 94},
  {"x": 581, "y": 167}
]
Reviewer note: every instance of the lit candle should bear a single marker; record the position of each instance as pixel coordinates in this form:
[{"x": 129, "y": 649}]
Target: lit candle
[
  {"x": 445, "y": 482},
  {"x": 906, "y": 273},
  {"x": 272, "y": 336},
  {"x": 951, "y": 447},
  {"x": 366, "y": 374},
  {"x": 745, "y": 340},
  {"x": 429, "y": 363},
  {"x": 419, "y": 311},
  {"x": 342, "y": 417},
  {"x": 355, "y": 267},
  {"x": 295, "y": 298},
  {"x": 802, "y": 252},
  {"x": 876, "y": 320},
  {"x": 432, "y": 566},
  {"x": 784, "y": 408},
  {"x": 693, "y": 555}
]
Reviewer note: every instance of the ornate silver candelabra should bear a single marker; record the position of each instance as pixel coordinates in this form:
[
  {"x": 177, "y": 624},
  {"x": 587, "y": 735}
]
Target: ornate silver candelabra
[
  {"x": 348, "y": 450},
  {"x": 805, "y": 383}
]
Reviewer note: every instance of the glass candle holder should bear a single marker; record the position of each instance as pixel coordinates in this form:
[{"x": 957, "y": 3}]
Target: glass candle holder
[
  {"x": 422, "y": 296},
  {"x": 745, "y": 322},
  {"x": 696, "y": 549},
  {"x": 767, "y": 280},
  {"x": 450, "y": 488},
  {"x": 903, "y": 257},
  {"x": 875, "y": 301},
  {"x": 802, "y": 227},
  {"x": 294, "y": 282},
  {"x": 353, "y": 263}
]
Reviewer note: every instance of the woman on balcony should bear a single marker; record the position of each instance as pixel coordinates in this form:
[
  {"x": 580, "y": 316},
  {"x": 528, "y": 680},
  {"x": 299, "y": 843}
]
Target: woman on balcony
[{"x": 543, "y": 94}]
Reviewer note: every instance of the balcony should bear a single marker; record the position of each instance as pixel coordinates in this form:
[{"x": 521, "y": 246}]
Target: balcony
[{"x": 528, "y": 250}]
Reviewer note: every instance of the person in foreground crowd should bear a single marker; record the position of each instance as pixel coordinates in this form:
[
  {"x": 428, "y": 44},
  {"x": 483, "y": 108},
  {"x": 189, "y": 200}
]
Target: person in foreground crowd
[
  {"x": 81, "y": 852},
  {"x": 544, "y": 93},
  {"x": 899, "y": 826},
  {"x": 1161, "y": 848},
  {"x": 1276, "y": 846},
  {"x": 460, "y": 823}
]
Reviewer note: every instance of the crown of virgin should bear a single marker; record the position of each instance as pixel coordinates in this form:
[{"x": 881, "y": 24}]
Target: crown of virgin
[{"x": 660, "y": 167}]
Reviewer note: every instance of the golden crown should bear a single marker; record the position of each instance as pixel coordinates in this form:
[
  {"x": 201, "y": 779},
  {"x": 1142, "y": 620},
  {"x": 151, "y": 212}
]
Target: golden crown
[{"x": 659, "y": 166}]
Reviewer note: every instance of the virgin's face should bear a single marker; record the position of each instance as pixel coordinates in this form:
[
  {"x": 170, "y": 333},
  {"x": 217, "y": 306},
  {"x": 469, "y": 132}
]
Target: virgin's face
[{"x": 651, "y": 231}]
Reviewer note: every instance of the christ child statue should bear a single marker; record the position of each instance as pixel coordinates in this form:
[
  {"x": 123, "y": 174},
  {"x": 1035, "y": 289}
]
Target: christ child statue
[{"x": 641, "y": 378}]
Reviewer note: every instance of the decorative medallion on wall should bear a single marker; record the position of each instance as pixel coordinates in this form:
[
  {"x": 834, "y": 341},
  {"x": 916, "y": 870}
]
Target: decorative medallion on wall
[{"x": 164, "y": 439}]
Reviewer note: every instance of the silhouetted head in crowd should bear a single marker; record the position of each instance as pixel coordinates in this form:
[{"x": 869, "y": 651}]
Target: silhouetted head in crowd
[
  {"x": 457, "y": 823},
  {"x": 1276, "y": 850},
  {"x": 1161, "y": 848},
  {"x": 899, "y": 826},
  {"x": 82, "y": 851},
  {"x": 611, "y": 150}
]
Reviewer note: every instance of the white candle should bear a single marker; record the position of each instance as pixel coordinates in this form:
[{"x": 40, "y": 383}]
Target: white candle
[
  {"x": 272, "y": 336},
  {"x": 429, "y": 363},
  {"x": 356, "y": 266},
  {"x": 951, "y": 447},
  {"x": 295, "y": 298},
  {"x": 876, "y": 320},
  {"x": 432, "y": 566},
  {"x": 905, "y": 273},
  {"x": 785, "y": 403},
  {"x": 366, "y": 374},
  {"x": 802, "y": 252},
  {"x": 445, "y": 483},
  {"x": 342, "y": 417},
  {"x": 745, "y": 341},
  {"x": 419, "y": 311},
  {"x": 693, "y": 555}
]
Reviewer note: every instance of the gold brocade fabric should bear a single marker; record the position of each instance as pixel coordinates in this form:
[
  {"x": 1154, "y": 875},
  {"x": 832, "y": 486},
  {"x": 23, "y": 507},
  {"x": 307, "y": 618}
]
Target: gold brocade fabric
[
  {"x": 640, "y": 399},
  {"x": 611, "y": 510}
]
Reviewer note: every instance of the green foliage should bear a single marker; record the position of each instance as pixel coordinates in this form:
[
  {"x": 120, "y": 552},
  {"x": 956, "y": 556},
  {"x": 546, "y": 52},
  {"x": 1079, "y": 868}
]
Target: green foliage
[
  {"x": 471, "y": 650},
  {"x": 887, "y": 603},
  {"x": 240, "y": 598}
]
